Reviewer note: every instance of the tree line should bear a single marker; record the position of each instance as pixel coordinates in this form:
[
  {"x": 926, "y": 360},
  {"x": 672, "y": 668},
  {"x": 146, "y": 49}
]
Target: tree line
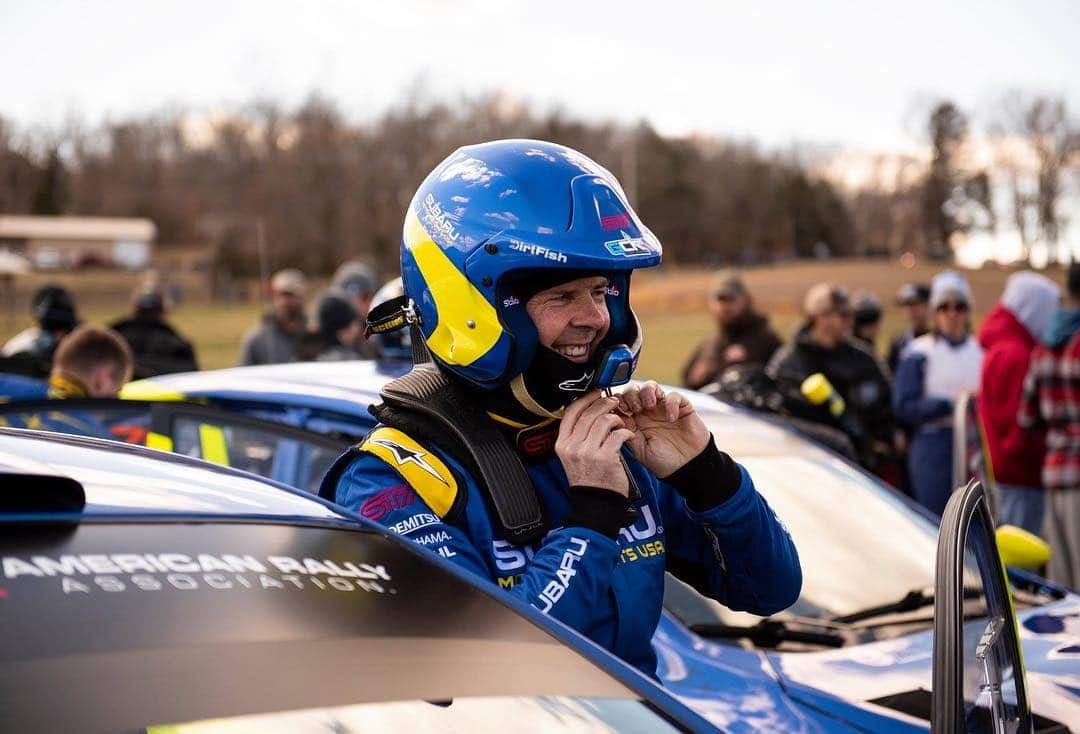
[{"x": 309, "y": 188}]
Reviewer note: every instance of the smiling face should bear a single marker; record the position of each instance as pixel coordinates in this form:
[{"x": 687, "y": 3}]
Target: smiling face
[
  {"x": 572, "y": 318},
  {"x": 951, "y": 319}
]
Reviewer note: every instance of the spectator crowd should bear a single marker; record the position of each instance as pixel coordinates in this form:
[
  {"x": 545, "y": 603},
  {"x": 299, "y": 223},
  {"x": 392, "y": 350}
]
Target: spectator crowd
[{"x": 893, "y": 413}]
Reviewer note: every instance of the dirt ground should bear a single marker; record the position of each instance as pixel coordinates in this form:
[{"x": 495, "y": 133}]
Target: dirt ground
[{"x": 670, "y": 304}]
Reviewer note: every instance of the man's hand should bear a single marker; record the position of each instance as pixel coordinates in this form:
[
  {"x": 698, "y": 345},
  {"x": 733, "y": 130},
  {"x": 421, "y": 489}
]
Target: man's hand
[
  {"x": 590, "y": 437},
  {"x": 667, "y": 431}
]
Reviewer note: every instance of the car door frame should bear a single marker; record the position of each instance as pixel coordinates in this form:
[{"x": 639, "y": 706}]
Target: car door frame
[{"x": 966, "y": 508}]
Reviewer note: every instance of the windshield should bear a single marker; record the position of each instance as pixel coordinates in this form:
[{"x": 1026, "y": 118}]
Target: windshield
[
  {"x": 848, "y": 530},
  {"x": 847, "y": 527},
  {"x": 529, "y": 716}
]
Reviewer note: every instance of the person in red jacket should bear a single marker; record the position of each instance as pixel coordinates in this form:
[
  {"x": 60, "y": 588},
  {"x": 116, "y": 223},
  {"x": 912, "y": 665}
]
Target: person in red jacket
[{"x": 1009, "y": 335}]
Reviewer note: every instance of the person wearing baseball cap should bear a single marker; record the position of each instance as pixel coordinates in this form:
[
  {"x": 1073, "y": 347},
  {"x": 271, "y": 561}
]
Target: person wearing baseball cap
[
  {"x": 157, "y": 347},
  {"x": 743, "y": 335},
  {"x": 823, "y": 345},
  {"x": 914, "y": 299},
  {"x": 276, "y": 337}
]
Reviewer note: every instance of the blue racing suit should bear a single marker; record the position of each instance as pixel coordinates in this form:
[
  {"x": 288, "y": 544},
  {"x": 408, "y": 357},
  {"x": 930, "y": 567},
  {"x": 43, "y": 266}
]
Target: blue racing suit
[{"x": 607, "y": 583}]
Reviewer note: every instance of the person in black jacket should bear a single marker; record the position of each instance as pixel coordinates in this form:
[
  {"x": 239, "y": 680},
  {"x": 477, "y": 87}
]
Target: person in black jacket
[
  {"x": 743, "y": 336},
  {"x": 824, "y": 345},
  {"x": 914, "y": 298},
  {"x": 157, "y": 347},
  {"x": 30, "y": 352}
]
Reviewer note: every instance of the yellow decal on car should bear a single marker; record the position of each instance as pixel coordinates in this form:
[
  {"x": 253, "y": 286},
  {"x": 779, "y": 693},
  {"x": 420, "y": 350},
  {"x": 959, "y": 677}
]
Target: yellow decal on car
[
  {"x": 158, "y": 441},
  {"x": 212, "y": 441},
  {"x": 421, "y": 469},
  {"x": 149, "y": 390}
]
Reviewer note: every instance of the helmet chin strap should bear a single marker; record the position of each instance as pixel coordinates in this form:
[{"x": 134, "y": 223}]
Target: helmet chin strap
[
  {"x": 552, "y": 382},
  {"x": 527, "y": 401}
]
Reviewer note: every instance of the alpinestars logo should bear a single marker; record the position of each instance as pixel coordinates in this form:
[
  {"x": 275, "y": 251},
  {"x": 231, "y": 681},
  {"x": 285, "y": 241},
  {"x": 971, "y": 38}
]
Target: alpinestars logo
[
  {"x": 578, "y": 384},
  {"x": 403, "y": 455}
]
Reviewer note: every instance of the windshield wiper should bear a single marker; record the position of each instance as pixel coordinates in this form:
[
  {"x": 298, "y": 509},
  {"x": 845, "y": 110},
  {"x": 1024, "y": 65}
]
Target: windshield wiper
[
  {"x": 769, "y": 633},
  {"x": 909, "y": 602}
]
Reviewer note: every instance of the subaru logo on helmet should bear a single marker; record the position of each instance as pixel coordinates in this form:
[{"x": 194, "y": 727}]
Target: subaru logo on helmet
[{"x": 629, "y": 247}]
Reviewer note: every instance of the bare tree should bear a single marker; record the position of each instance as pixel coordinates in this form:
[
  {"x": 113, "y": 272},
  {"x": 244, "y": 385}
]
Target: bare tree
[
  {"x": 1052, "y": 138},
  {"x": 947, "y": 129}
]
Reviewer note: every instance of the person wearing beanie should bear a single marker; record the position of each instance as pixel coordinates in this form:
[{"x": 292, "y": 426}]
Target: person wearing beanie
[
  {"x": 336, "y": 328},
  {"x": 157, "y": 347},
  {"x": 866, "y": 310},
  {"x": 359, "y": 282},
  {"x": 31, "y": 350},
  {"x": 1008, "y": 336},
  {"x": 935, "y": 369},
  {"x": 1050, "y": 402}
]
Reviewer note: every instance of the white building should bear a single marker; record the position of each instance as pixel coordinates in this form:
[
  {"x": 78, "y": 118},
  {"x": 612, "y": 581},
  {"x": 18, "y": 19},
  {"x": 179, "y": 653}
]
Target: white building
[{"x": 68, "y": 243}]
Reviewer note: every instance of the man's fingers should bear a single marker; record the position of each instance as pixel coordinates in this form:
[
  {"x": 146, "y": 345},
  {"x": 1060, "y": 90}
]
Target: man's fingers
[
  {"x": 601, "y": 428},
  {"x": 575, "y": 409},
  {"x": 651, "y": 395},
  {"x": 615, "y": 440},
  {"x": 630, "y": 400},
  {"x": 586, "y": 416},
  {"x": 674, "y": 405}
]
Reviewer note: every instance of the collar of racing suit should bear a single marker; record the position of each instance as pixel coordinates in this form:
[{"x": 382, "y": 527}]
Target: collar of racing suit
[{"x": 65, "y": 386}]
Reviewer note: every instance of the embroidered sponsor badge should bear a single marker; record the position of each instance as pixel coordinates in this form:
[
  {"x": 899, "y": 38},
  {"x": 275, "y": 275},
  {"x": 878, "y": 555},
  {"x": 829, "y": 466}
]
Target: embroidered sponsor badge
[
  {"x": 538, "y": 442},
  {"x": 385, "y": 502},
  {"x": 629, "y": 247},
  {"x": 422, "y": 470}
]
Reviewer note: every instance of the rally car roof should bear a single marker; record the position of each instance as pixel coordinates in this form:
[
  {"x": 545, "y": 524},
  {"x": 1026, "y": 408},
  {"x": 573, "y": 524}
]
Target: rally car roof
[
  {"x": 350, "y": 387},
  {"x": 124, "y": 479},
  {"x": 347, "y": 386}
]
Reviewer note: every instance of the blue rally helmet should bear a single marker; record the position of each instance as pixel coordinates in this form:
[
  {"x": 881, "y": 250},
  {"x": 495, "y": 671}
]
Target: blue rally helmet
[{"x": 499, "y": 209}]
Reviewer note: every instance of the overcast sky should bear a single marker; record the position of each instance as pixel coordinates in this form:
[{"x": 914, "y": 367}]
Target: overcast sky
[{"x": 823, "y": 71}]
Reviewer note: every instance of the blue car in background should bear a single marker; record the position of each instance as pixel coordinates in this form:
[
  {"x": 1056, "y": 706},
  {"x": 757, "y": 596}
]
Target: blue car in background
[{"x": 855, "y": 653}]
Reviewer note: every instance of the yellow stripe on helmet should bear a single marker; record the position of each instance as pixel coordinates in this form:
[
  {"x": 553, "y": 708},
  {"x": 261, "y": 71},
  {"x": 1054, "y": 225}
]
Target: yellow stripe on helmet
[{"x": 457, "y": 302}]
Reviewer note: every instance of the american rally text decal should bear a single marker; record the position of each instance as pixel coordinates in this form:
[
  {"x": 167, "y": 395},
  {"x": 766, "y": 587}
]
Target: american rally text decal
[{"x": 116, "y": 572}]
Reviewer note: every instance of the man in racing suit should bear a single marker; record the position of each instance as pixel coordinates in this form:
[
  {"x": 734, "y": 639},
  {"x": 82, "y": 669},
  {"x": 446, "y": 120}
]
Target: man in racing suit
[{"x": 631, "y": 484}]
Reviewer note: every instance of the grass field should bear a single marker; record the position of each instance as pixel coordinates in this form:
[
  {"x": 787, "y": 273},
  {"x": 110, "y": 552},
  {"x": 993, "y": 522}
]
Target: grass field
[{"x": 670, "y": 304}]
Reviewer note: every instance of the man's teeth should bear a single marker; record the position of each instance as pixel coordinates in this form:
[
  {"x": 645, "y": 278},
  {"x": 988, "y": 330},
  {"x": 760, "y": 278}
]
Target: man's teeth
[{"x": 574, "y": 350}]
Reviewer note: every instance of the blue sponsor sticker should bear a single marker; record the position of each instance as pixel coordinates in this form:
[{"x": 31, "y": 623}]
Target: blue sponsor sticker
[{"x": 629, "y": 247}]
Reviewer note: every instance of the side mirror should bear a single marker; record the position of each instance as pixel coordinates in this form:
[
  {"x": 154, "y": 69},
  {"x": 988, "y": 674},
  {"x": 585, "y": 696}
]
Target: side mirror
[{"x": 1021, "y": 549}]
